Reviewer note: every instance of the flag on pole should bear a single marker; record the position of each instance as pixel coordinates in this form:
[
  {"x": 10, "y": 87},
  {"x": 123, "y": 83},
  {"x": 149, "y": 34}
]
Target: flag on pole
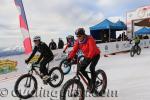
[{"x": 24, "y": 27}]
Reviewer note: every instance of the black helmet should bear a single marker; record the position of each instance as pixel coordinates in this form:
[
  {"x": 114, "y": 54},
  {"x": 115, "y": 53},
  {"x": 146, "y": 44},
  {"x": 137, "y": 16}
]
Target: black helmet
[{"x": 80, "y": 31}]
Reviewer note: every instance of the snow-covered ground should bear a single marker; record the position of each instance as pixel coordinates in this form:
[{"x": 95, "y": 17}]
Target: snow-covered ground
[{"x": 130, "y": 77}]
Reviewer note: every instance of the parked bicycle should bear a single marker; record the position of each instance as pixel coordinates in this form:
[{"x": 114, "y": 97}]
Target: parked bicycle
[{"x": 26, "y": 85}]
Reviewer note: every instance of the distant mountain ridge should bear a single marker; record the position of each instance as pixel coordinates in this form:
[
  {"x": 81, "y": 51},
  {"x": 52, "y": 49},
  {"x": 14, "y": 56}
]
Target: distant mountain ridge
[{"x": 11, "y": 51}]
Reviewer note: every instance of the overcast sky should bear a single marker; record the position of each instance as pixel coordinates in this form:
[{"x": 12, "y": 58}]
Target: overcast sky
[{"x": 58, "y": 18}]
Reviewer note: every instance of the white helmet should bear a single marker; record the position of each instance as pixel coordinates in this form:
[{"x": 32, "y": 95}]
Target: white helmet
[{"x": 37, "y": 38}]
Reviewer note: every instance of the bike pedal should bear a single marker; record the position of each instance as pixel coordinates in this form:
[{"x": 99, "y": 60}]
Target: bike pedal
[{"x": 45, "y": 82}]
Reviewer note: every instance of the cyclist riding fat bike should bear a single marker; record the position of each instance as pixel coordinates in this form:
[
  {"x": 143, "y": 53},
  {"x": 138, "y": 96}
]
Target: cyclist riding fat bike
[
  {"x": 45, "y": 57},
  {"x": 77, "y": 54},
  {"x": 137, "y": 42},
  {"x": 91, "y": 53}
]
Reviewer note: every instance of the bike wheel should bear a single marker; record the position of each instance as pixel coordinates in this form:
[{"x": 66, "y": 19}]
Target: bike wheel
[
  {"x": 132, "y": 52},
  {"x": 81, "y": 58},
  {"x": 65, "y": 66},
  {"x": 100, "y": 83},
  {"x": 72, "y": 90},
  {"x": 29, "y": 81},
  {"x": 56, "y": 77},
  {"x": 139, "y": 51}
]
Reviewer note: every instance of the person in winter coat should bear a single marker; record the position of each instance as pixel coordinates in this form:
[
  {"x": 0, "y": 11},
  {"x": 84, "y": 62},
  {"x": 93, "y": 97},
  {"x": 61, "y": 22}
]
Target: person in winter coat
[
  {"x": 52, "y": 45},
  {"x": 91, "y": 52},
  {"x": 60, "y": 44},
  {"x": 45, "y": 57}
]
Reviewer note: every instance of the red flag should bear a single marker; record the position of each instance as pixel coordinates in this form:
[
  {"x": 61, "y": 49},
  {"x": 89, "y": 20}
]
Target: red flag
[{"x": 24, "y": 27}]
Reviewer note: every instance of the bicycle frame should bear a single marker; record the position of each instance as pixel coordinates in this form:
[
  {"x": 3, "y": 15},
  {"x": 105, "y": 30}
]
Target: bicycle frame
[
  {"x": 135, "y": 48},
  {"x": 33, "y": 69},
  {"x": 80, "y": 75},
  {"x": 36, "y": 72},
  {"x": 31, "y": 72}
]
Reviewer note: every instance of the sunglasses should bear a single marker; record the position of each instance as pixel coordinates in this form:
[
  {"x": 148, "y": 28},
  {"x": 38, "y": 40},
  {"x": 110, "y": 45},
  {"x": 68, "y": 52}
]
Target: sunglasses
[
  {"x": 78, "y": 35},
  {"x": 35, "y": 40}
]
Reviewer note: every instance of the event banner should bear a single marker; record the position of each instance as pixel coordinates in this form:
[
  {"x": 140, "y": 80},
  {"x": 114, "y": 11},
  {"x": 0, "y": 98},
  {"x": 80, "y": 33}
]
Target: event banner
[
  {"x": 24, "y": 26},
  {"x": 139, "y": 13}
]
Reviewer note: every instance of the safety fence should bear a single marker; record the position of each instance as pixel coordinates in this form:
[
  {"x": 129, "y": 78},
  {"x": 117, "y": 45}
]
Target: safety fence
[{"x": 114, "y": 47}]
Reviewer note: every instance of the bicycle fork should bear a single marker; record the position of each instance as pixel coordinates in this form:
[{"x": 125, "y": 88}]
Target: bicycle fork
[{"x": 28, "y": 81}]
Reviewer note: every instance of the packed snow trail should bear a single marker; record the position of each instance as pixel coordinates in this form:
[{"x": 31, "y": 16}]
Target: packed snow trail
[{"x": 129, "y": 77}]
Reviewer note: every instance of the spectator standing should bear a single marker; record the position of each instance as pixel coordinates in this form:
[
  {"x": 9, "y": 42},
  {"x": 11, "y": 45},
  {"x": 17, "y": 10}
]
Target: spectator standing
[
  {"x": 119, "y": 37},
  {"x": 52, "y": 45},
  {"x": 60, "y": 44}
]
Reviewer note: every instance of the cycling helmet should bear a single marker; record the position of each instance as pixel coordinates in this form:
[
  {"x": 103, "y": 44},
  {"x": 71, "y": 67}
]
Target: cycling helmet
[
  {"x": 80, "y": 31},
  {"x": 37, "y": 38}
]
